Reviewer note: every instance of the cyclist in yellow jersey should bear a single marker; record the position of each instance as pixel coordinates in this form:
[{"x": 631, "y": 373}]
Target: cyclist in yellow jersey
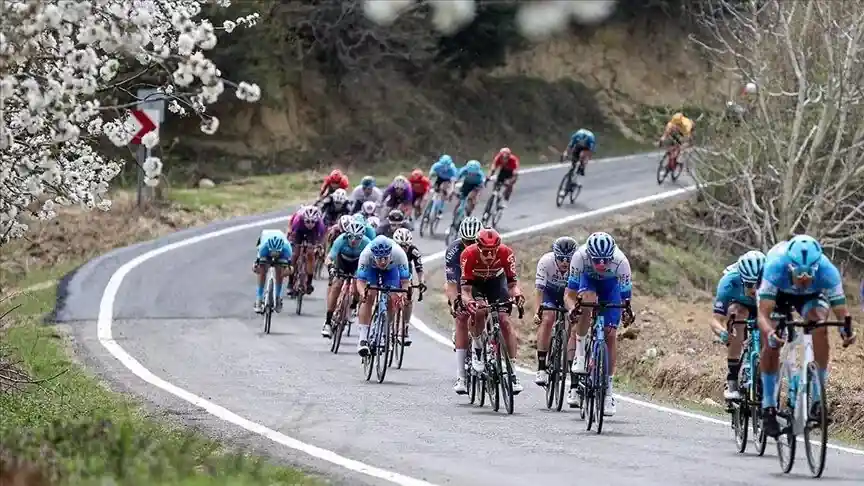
[{"x": 680, "y": 130}]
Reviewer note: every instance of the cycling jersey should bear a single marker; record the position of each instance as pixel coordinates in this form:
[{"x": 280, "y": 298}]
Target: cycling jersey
[
  {"x": 300, "y": 233},
  {"x": 331, "y": 212},
  {"x": 474, "y": 177},
  {"x": 685, "y": 126},
  {"x": 395, "y": 198},
  {"x": 264, "y": 252},
  {"x": 420, "y": 187},
  {"x": 443, "y": 172},
  {"x": 359, "y": 196},
  {"x": 415, "y": 259},
  {"x": 387, "y": 229},
  {"x": 341, "y": 247},
  {"x": 777, "y": 279},
  {"x": 474, "y": 269},
  {"x": 392, "y": 275},
  {"x": 510, "y": 164},
  {"x": 452, "y": 270},
  {"x": 550, "y": 280},
  {"x": 730, "y": 289},
  {"x": 611, "y": 285},
  {"x": 582, "y": 139},
  {"x": 341, "y": 183}
]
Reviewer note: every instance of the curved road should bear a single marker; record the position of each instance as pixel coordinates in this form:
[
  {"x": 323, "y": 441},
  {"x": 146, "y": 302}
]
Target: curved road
[{"x": 185, "y": 315}]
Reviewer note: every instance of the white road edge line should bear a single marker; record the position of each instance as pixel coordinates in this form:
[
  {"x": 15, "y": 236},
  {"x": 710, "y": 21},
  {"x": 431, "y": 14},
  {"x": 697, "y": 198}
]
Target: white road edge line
[{"x": 106, "y": 339}]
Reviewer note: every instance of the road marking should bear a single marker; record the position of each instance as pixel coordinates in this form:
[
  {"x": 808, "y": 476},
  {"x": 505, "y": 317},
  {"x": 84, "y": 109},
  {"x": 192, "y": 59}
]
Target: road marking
[{"x": 422, "y": 327}]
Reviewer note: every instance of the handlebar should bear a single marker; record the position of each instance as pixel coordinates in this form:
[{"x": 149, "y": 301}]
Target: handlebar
[
  {"x": 731, "y": 322},
  {"x": 498, "y": 306},
  {"x": 421, "y": 287},
  {"x": 809, "y": 326},
  {"x": 552, "y": 308},
  {"x": 386, "y": 289}
]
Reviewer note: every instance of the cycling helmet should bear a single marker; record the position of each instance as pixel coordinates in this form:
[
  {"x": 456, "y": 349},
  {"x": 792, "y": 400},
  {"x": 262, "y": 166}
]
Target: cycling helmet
[
  {"x": 474, "y": 165},
  {"x": 488, "y": 239},
  {"x": 312, "y": 214},
  {"x": 367, "y": 182},
  {"x": 336, "y": 174},
  {"x": 373, "y": 221},
  {"x": 400, "y": 182},
  {"x": 469, "y": 228},
  {"x": 416, "y": 175},
  {"x": 368, "y": 208},
  {"x": 403, "y": 236},
  {"x": 344, "y": 221},
  {"x": 505, "y": 151},
  {"x": 601, "y": 245},
  {"x": 356, "y": 229},
  {"x": 564, "y": 248},
  {"x": 677, "y": 117},
  {"x": 445, "y": 159},
  {"x": 339, "y": 196},
  {"x": 750, "y": 266},
  {"x": 359, "y": 217},
  {"x": 276, "y": 243},
  {"x": 381, "y": 247},
  {"x": 803, "y": 251},
  {"x": 396, "y": 216}
]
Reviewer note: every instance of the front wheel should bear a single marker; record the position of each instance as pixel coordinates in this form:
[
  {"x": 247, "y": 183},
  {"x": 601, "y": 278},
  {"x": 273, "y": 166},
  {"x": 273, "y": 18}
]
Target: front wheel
[
  {"x": 662, "y": 170},
  {"x": 383, "y": 341},
  {"x": 564, "y": 188},
  {"x": 786, "y": 398},
  {"x": 815, "y": 430}
]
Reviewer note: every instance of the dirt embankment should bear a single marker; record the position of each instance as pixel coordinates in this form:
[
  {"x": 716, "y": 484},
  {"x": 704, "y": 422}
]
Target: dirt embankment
[{"x": 670, "y": 351}]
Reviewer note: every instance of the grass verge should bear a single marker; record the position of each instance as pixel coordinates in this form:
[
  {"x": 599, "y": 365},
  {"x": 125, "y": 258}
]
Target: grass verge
[
  {"x": 669, "y": 353},
  {"x": 70, "y": 429}
]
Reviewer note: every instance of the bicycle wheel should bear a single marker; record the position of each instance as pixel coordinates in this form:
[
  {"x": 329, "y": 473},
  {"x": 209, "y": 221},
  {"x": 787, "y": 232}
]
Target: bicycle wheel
[
  {"x": 562, "y": 367},
  {"x": 786, "y": 397},
  {"x": 505, "y": 379},
  {"x": 741, "y": 413},
  {"x": 472, "y": 384},
  {"x": 679, "y": 167},
  {"x": 400, "y": 357},
  {"x": 760, "y": 440},
  {"x": 382, "y": 341},
  {"x": 661, "y": 169},
  {"x": 487, "y": 211},
  {"x": 300, "y": 281},
  {"x": 493, "y": 373},
  {"x": 369, "y": 359},
  {"x": 339, "y": 317},
  {"x": 552, "y": 372},
  {"x": 564, "y": 188},
  {"x": 269, "y": 301},
  {"x": 815, "y": 444},
  {"x": 601, "y": 382}
]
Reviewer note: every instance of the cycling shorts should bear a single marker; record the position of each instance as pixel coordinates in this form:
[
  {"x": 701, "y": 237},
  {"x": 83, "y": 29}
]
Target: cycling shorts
[
  {"x": 492, "y": 290},
  {"x": 438, "y": 182},
  {"x": 281, "y": 260},
  {"x": 504, "y": 175},
  {"x": 577, "y": 152},
  {"x": 752, "y": 311},
  {"x": 389, "y": 277},
  {"x": 802, "y": 304},
  {"x": 345, "y": 265},
  {"x": 608, "y": 292},
  {"x": 397, "y": 200},
  {"x": 553, "y": 296},
  {"x": 467, "y": 188},
  {"x": 305, "y": 236}
]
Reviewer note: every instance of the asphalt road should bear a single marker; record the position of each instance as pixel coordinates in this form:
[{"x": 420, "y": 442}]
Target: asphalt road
[{"x": 186, "y": 316}]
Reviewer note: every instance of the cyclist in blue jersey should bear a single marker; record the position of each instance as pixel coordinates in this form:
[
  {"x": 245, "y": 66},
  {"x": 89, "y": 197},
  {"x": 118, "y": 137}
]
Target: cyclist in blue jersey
[
  {"x": 383, "y": 260},
  {"x": 797, "y": 276},
  {"x": 368, "y": 228},
  {"x": 736, "y": 296},
  {"x": 580, "y": 149},
  {"x": 344, "y": 256},
  {"x": 273, "y": 250},
  {"x": 444, "y": 171},
  {"x": 473, "y": 178}
]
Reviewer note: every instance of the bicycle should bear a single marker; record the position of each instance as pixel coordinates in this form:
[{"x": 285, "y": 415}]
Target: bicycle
[
  {"x": 457, "y": 220},
  {"x": 594, "y": 383},
  {"x": 493, "y": 211},
  {"x": 556, "y": 359},
  {"x": 436, "y": 204},
  {"x": 568, "y": 186},
  {"x": 329, "y": 237},
  {"x": 670, "y": 166},
  {"x": 269, "y": 298},
  {"x": 397, "y": 349},
  {"x": 498, "y": 373},
  {"x": 299, "y": 287},
  {"x": 795, "y": 409},
  {"x": 379, "y": 333},
  {"x": 341, "y": 317},
  {"x": 749, "y": 406}
]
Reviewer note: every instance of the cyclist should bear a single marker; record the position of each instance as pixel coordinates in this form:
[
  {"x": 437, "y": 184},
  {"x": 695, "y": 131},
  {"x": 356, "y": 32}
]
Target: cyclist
[
  {"x": 506, "y": 165},
  {"x": 399, "y": 195},
  {"x": 335, "y": 230},
  {"x": 444, "y": 171},
  {"x": 395, "y": 220},
  {"x": 736, "y": 296},
  {"x": 373, "y": 223},
  {"x": 336, "y": 180},
  {"x": 797, "y": 276},
  {"x": 473, "y": 178},
  {"x": 580, "y": 149},
  {"x": 381, "y": 259},
  {"x": 306, "y": 227},
  {"x": 403, "y": 238},
  {"x": 368, "y": 209},
  {"x": 680, "y": 130},
  {"x": 468, "y": 230},
  {"x": 344, "y": 255},
  {"x": 370, "y": 231},
  {"x": 550, "y": 282},
  {"x": 334, "y": 206},
  {"x": 273, "y": 250},
  {"x": 599, "y": 272},
  {"x": 489, "y": 269},
  {"x": 419, "y": 187},
  {"x": 365, "y": 192}
]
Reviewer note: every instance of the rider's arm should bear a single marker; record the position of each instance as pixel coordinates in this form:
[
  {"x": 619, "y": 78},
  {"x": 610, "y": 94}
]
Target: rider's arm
[
  {"x": 510, "y": 271},
  {"x": 571, "y": 295},
  {"x": 767, "y": 301},
  {"x": 541, "y": 278},
  {"x": 722, "y": 299},
  {"x": 418, "y": 262},
  {"x": 400, "y": 259},
  {"x": 364, "y": 269},
  {"x": 335, "y": 248},
  {"x": 451, "y": 273},
  {"x": 625, "y": 276},
  {"x": 466, "y": 264},
  {"x": 831, "y": 284}
]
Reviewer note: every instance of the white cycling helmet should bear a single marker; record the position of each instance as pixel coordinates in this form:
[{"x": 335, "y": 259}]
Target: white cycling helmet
[
  {"x": 400, "y": 181},
  {"x": 469, "y": 228},
  {"x": 311, "y": 214},
  {"x": 343, "y": 222},
  {"x": 373, "y": 221},
  {"x": 368, "y": 208},
  {"x": 403, "y": 236},
  {"x": 600, "y": 245},
  {"x": 339, "y": 196},
  {"x": 750, "y": 266},
  {"x": 356, "y": 229}
]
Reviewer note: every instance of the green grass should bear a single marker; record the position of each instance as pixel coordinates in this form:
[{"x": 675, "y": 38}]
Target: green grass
[{"x": 78, "y": 432}]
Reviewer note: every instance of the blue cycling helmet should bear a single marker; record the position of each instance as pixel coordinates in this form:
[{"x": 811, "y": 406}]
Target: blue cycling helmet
[
  {"x": 564, "y": 248},
  {"x": 275, "y": 243},
  {"x": 446, "y": 159},
  {"x": 367, "y": 182},
  {"x": 381, "y": 247},
  {"x": 359, "y": 217},
  {"x": 803, "y": 251},
  {"x": 474, "y": 164},
  {"x": 750, "y": 266},
  {"x": 600, "y": 245}
]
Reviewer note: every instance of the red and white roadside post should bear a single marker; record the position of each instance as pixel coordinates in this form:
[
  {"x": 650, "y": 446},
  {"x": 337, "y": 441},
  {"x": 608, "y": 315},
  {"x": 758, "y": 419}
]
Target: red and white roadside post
[{"x": 148, "y": 114}]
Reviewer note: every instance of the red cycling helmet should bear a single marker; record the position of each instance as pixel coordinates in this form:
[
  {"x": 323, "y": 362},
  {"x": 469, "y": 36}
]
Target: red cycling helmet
[
  {"x": 416, "y": 175},
  {"x": 505, "y": 151},
  {"x": 336, "y": 174},
  {"x": 488, "y": 239}
]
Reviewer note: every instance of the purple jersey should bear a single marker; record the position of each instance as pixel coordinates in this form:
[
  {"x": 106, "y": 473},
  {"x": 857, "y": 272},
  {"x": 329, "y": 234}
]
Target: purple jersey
[
  {"x": 300, "y": 233},
  {"x": 452, "y": 270},
  {"x": 406, "y": 196}
]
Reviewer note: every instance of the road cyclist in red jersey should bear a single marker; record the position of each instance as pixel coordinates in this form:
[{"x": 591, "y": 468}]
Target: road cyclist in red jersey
[
  {"x": 336, "y": 180},
  {"x": 506, "y": 166}
]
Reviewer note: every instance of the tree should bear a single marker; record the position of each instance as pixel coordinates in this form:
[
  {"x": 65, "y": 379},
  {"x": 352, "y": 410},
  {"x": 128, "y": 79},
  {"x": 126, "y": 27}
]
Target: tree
[
  {"x": 796, "y": 164},
  {"x": 69, "y": 69}
]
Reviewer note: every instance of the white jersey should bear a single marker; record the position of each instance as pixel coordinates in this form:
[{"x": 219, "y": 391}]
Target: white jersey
[
  {"x": 398, "y": 258},
  {"x": 358, "y": 195},
  {"x": 548, "y": 275},
  {"x": 618, "y": 268}
]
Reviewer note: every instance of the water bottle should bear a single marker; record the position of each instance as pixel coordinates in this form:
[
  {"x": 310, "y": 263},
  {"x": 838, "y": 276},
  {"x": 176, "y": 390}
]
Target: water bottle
[{"x": 745, "y": 375}]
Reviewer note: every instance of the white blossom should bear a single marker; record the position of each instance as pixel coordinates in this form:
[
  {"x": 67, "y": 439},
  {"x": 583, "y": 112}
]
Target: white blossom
[
  {"x": 57, "y": 57},
  {"x": 150, "y": 139}
]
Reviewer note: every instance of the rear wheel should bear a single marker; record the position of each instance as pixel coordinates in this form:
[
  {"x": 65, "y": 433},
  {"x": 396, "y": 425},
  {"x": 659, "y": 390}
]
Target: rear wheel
[
  {"x": 760, "y": 440},
  {"x": 269, "y": 303},
  {"x": 552, "y": 371},
  {"x": 562, "y": 366},
  {"x": 564, "y": 188},
  {"x": 741, "y": 416},
  {"x": 662, "y": 171}
]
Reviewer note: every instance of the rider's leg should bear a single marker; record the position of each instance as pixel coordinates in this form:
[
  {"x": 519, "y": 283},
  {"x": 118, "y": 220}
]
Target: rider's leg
[
  {"x": 472, "y": 201},
  {"x": 333, "y": 291},
  {"x": 583, "y": 326},
  {"x": 310, "y": 268},
  {"x": 733, "y": 352},
  {"x": 508, "y": 187},
  {"x": 544, "y": 335},
  {"x": 406, "y": 316},
  {"x": 364, "y": 320},
  {"x": 292, "y": 272},
  {"x": 260, "y": 270},
  {"x": 280, "y": 272},
  {"x": 461, "y": 344},
  {"x": 817, "y": 310},
  {"x": 769, "y": 364}
]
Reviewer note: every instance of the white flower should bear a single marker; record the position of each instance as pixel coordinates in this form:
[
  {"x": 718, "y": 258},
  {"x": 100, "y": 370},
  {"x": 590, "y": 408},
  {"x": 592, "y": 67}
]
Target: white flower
[
  {"x": 151, "y": 182},
  {"x": 229, "y": 26},
  {"x": 152, "y": 166},
  {"x": 210, "y": 125},
  {"x": 248, "y": 92},
  {"x": 150, "y": 139}
]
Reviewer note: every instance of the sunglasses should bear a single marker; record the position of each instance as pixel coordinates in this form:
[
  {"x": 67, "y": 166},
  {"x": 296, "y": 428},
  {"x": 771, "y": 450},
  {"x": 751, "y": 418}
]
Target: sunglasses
[
  {"x": 600, "y": 261},
  {"x": 382, "y": 260},
  {"x": 354, "y": 238},
  {"x": 750, "y": 285},
  {"x": 562, "y": 259},
  {"x": 808, "y": 272}
]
